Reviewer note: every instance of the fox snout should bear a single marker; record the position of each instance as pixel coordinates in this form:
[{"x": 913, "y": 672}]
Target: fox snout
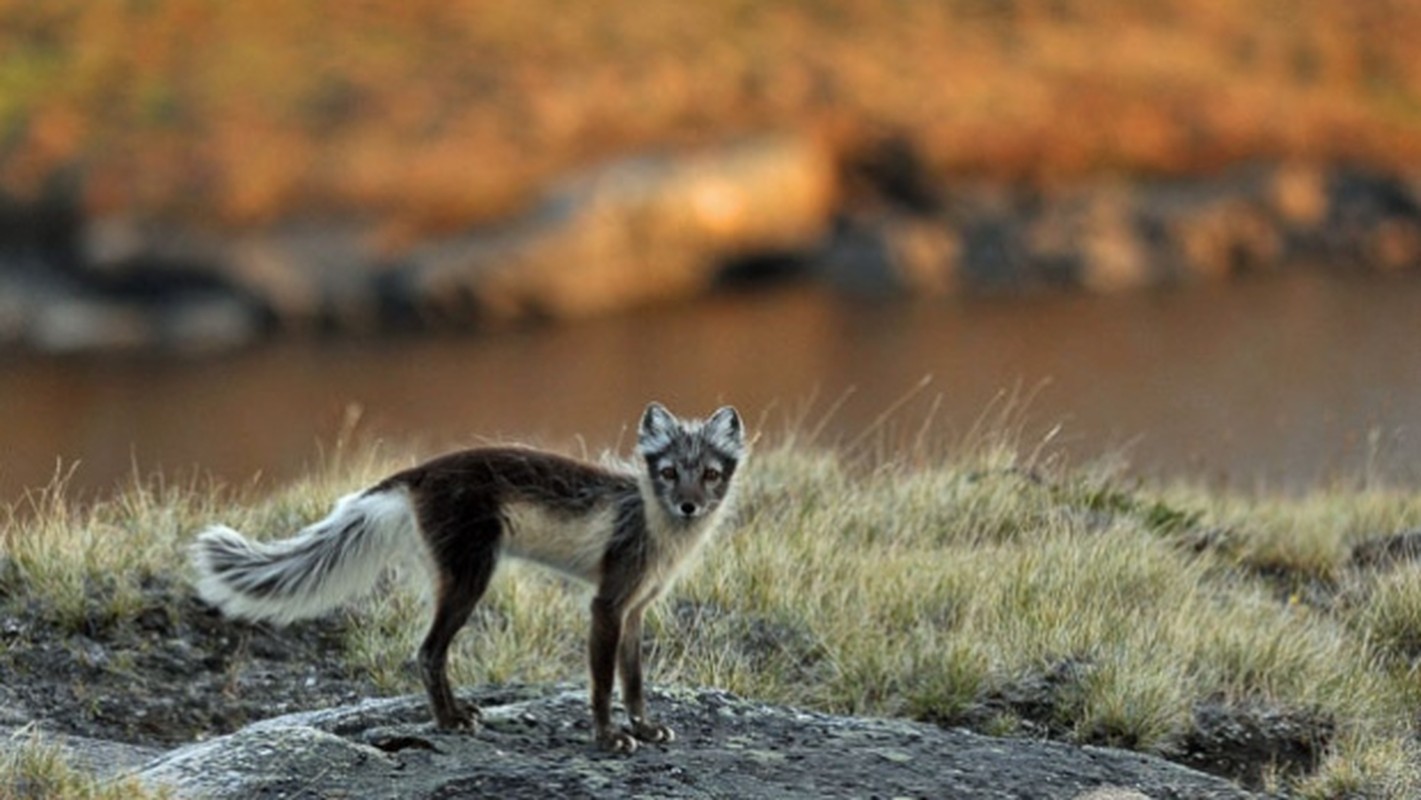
[{"x": 689, "y": 501}]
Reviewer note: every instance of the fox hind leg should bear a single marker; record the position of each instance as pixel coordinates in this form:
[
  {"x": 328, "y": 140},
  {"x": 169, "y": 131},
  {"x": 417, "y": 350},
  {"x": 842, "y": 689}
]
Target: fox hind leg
[{"x": 455, "y": 602}]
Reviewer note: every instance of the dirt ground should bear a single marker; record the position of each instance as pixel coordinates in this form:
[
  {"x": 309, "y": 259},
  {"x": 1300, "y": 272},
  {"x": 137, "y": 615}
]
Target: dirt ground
[{"x": 174, "y": 673}]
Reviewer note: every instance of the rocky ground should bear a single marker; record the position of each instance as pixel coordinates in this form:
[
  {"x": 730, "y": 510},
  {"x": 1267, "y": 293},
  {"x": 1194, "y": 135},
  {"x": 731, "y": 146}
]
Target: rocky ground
[
  {"x": 536, "y": 743},
  {"x": 120, "y": 693}
]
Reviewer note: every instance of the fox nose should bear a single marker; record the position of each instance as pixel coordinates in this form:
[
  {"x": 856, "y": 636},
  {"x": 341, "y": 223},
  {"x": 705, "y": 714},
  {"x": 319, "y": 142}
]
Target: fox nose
[{"x": 688, "y": 509}]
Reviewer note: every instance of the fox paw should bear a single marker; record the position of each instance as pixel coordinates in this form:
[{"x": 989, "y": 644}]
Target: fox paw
[
  {"x": 616, "y": 741},
  {"x": 463, "y": 718},
  {"x": 652, "y": 732}
]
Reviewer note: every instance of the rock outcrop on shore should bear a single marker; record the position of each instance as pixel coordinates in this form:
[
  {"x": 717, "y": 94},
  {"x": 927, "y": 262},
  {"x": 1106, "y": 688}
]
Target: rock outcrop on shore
[
  {"x": 536, "y": 743},
  {"x": 656, "y": 228}
]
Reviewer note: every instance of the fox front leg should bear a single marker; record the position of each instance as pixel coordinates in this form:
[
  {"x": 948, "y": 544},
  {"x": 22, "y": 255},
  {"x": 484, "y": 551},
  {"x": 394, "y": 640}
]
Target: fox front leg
[
  {"x": 602, "y": 657},
  {"x": 633, "y": 694}
]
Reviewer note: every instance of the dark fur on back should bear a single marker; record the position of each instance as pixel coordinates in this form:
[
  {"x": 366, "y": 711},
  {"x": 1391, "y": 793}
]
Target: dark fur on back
[
  {"x": 498, "y": 474},
  {"x": 460, "y": 497}
]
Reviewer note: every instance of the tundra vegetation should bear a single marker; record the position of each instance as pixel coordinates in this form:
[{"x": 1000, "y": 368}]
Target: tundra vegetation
[{"x": 987, "y": 584}]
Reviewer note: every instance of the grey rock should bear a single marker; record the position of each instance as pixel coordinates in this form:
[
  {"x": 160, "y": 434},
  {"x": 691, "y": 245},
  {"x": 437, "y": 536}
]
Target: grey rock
[
  {"x": 1108, "y": 235},
  {"x": 539, "y": 745},
  {"x": 885, "y": 252},
  {"x": 303, "y": 273},
  {"x": 13, "y": 713},
  {"x": 1092, "y": 237},
  {"x": 633, "y": 231},
  {"x": 84, "y": 324},
  {"x": 87, "y": 322},
  {"x": 209, "y": 324}
]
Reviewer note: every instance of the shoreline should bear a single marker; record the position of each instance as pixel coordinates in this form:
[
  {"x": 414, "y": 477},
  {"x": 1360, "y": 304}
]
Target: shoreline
[{"x": 656, "y": 229}]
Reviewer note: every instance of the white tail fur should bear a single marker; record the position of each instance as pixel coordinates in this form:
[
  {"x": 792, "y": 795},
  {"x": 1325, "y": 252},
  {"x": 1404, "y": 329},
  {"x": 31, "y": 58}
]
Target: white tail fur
[{"x": 324, "y": 565}]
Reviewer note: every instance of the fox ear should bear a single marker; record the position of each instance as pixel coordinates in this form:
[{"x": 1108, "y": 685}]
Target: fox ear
[
  {"x": 725, "y": 430},
  {"x": 657, "y": 424}
]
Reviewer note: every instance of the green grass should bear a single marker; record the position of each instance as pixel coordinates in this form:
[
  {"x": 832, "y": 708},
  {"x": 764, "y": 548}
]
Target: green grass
[{"x": 915, "y": 587}]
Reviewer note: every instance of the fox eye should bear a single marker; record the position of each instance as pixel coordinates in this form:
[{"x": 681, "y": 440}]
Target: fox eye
[
  {"x": 712, "y": 474},
  {"x": 668, "y": 473}
]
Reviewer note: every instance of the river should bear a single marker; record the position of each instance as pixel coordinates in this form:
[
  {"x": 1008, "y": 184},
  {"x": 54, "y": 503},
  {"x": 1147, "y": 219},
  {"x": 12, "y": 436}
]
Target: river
[{"x": 1272, "y": 382}]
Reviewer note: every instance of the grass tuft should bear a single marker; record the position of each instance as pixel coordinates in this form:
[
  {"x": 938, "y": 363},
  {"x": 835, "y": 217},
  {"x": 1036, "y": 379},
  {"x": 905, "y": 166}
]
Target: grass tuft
[
  {"x": 1389, "y": 614},
  {"x": 1385, "y": 768},
  {"x": 35, "y": 768}
]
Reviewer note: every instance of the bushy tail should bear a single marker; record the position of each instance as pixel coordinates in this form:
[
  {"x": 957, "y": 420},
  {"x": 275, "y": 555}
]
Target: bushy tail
[{"x": 328, "y": 563}]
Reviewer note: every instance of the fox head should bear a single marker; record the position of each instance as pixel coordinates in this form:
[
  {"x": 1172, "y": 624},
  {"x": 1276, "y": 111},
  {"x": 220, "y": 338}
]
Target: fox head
[{"x": 690, "y": 463}]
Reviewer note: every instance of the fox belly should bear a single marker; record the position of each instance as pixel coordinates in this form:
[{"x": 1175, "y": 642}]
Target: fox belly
[{"x": 573, "y": 544}]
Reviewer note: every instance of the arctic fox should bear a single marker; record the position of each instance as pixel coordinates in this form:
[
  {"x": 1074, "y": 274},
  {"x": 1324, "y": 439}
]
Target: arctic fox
[{"x": 626, "y": 531}]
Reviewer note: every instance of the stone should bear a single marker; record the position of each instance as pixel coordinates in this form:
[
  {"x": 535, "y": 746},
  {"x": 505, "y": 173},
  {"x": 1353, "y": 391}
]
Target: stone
[
  {"x": 1298, "y": 194},
  {"x": 540, "y": 745},
  {"x": 886, "y": 252},
  {"x": 638, "y": 230}
]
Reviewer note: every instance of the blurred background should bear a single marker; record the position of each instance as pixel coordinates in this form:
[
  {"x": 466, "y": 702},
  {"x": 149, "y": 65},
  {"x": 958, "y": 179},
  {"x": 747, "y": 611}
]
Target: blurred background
[{"x": 1185, "y": 234}]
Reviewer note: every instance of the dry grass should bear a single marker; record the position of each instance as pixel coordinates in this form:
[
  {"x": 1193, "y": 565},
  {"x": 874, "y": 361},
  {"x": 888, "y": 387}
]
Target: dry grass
[
  {"x": 432, "y": 114},
  {"x": 916, "y": 587},
  {"x": 33, "y": 769},
  {"x": 88, "y": 559}
]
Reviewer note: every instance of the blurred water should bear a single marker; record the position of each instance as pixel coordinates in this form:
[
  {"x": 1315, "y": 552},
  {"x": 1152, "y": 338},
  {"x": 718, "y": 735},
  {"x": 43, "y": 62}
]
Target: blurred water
[{"x": 1280, "y": 382}]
